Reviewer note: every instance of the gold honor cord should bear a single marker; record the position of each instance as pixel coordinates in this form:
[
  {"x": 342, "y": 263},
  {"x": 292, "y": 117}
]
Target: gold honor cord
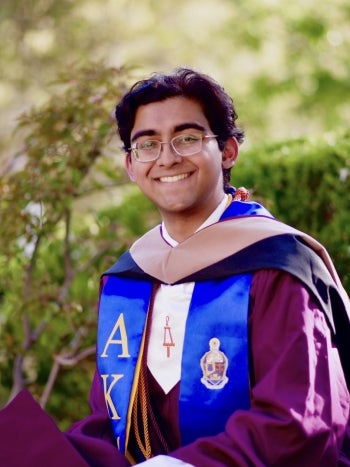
[
  {"x": 141, "y": 400},
  {"x": 135, "y": 390},
  {"x": 141, "y": 407},
  {"x": 132, "y": 422}
]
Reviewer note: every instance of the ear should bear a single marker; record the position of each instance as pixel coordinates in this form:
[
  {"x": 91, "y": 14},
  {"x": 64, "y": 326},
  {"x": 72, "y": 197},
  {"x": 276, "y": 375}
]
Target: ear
[
  {"x": 230, "y": 153},
  {"x": 129, "y": 167}
]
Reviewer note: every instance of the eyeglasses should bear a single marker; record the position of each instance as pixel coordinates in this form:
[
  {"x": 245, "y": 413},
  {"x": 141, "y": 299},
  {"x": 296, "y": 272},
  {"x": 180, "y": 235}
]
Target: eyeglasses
[{"x": 183, "y": 145}]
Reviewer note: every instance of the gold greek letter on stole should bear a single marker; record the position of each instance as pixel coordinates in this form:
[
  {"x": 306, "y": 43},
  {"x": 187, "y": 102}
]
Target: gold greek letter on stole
[
  {"x": 107, "y": 393},
  {"x": 123, "y": 341}
]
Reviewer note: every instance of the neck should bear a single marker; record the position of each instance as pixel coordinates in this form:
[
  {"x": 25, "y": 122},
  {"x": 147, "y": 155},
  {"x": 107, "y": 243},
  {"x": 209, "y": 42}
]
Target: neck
[{"x": 180, "y": 227}]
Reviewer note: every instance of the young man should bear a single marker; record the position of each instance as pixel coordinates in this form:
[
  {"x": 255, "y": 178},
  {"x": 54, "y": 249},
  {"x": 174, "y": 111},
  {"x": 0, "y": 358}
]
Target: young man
[{"x": 220, "y": 331}]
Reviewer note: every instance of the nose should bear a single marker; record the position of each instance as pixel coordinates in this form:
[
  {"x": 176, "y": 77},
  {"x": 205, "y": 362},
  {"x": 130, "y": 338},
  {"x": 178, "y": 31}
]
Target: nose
[{"x": 168, "y": 156}]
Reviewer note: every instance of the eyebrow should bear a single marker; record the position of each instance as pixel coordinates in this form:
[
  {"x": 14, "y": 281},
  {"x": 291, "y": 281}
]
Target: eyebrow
[{"x": 177, "y": 128}]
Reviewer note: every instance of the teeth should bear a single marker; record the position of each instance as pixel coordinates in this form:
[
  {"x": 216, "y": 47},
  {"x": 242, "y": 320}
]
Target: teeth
[{"x": 175, "y": 178}]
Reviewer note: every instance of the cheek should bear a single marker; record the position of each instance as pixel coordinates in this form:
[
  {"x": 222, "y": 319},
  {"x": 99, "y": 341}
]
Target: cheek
[{"x": 137, "y": 173}]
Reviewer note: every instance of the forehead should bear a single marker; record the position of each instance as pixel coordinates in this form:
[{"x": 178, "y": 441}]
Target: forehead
[{"x": 167, "y": 115}]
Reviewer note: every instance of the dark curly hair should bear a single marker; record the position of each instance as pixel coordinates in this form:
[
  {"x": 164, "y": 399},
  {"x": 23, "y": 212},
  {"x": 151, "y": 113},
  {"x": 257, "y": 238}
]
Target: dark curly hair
[{"x": 217, "y": 105}]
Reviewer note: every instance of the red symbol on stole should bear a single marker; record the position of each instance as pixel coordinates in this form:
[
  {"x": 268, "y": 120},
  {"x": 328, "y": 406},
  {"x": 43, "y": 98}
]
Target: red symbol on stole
[{"x": 168, "y": 340}]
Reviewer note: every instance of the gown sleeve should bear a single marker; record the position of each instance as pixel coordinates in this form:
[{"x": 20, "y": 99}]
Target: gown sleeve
[
  {"x": 299, "y": 400},
  {"x": 29, "y": 436}
]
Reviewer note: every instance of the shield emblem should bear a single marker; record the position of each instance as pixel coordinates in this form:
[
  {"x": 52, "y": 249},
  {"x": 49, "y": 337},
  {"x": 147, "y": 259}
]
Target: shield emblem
[{"x": 214, "y": 366}]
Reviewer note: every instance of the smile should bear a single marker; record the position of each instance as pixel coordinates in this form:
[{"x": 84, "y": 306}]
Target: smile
[{"x": 174, "y": 178}]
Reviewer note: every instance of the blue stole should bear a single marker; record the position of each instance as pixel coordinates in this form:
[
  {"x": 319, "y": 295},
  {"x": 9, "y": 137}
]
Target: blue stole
[
  {"x": 218, "y": 310},
  {"x": 214, "y": 381},
  {"x": 214, "y": 374}
]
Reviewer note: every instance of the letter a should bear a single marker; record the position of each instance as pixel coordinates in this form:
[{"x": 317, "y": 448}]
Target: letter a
[{"x": 123, "y": 341}]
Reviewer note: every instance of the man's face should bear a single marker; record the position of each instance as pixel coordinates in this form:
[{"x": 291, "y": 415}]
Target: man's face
[{"x": 190, "y": 186}]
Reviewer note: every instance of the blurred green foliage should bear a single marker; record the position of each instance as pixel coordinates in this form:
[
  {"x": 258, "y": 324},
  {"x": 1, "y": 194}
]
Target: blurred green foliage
[
  {"x": 305, "y": 183},
  {"x": 62, "y": 224}
]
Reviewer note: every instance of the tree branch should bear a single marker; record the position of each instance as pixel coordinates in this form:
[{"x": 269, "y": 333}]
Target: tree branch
[{"x": 65, "y": 359}]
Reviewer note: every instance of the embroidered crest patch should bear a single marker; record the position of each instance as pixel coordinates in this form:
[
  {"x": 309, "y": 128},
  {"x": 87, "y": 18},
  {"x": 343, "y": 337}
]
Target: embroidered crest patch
[{"x": 214, "y": 366}]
